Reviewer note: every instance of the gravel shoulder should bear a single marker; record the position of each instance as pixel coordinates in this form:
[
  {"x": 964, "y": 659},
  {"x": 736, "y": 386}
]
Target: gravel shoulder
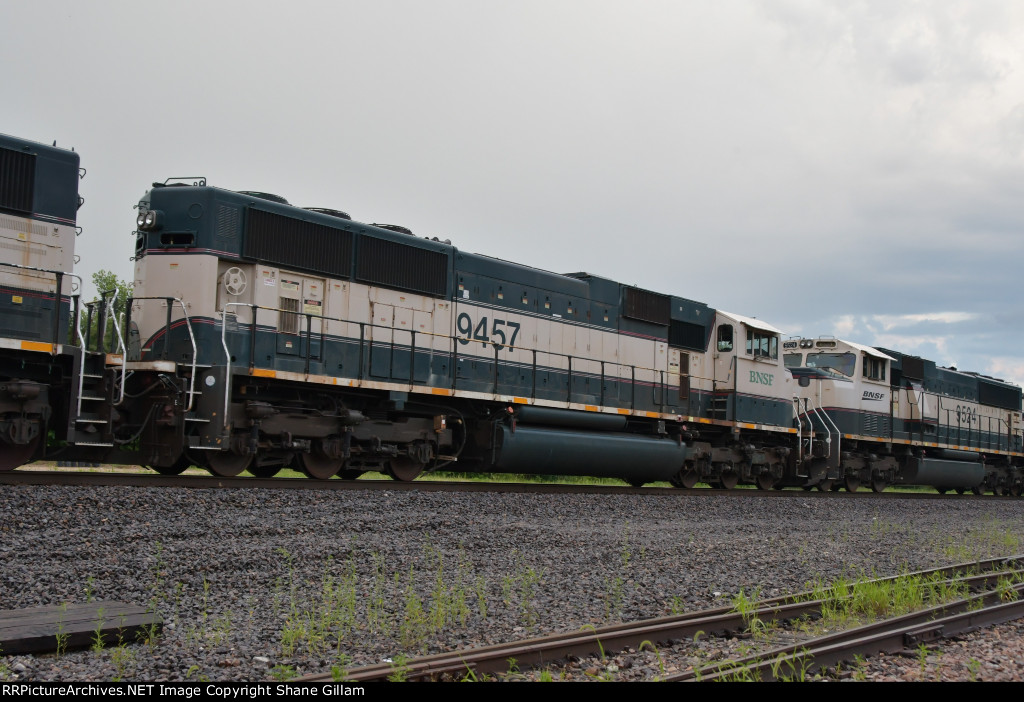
[{"x": 259, "y": 585}]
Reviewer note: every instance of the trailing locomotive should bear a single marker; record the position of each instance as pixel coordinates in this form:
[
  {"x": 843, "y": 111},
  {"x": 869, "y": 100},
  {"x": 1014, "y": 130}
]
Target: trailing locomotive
[
  {"x": 39, "y": 201},
  {"x": 262, "y": 335},
  {"x": 891, "y": 418}
]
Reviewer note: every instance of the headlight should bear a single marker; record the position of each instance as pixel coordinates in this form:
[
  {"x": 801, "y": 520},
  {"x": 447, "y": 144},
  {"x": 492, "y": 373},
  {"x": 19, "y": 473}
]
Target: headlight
[
  {"x": 140, "y": 221},
  {"x": 150, "y": 221}
]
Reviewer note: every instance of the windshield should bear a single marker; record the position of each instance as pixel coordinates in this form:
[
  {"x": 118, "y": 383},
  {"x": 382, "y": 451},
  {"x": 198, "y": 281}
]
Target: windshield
[
  {"x": 842, "y": 363},
  {"x": 793, "y": 360}
]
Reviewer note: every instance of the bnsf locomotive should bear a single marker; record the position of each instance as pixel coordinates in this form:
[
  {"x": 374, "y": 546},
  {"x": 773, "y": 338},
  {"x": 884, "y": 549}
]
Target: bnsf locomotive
[{"x": 262, "y": 335}]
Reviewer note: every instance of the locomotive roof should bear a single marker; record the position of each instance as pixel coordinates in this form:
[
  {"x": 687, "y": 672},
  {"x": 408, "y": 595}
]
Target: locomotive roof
[{"x": 752, "y": 322}]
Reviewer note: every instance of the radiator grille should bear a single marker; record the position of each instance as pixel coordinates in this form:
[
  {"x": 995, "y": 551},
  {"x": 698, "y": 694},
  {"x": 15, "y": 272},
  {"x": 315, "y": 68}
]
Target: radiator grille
[
  {"x": 293, "y": 243},
  {"x": 402, "y": 266},
  {"x": 17, "y": 179}
]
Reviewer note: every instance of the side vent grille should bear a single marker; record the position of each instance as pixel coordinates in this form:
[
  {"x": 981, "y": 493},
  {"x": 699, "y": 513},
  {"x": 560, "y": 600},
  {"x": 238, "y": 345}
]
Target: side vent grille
[
  {"x": 401, "y": 266},
  {"x": 913, "y": 367},
  {"x": 293, "y": 243},
  {"x": 1005, "y": 396},
  {"x": 646, "y": 306},
  {"x": 17, "y": 180},
  {"x": 227, "y": 222},
  {"x": 688, "y": 335}
]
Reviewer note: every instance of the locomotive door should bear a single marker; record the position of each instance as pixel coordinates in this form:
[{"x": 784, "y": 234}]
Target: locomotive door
[
  {"x": 679, "y": 376},
  {"x": 300, "y": 327},
  {"x": 381, "y": 336}
]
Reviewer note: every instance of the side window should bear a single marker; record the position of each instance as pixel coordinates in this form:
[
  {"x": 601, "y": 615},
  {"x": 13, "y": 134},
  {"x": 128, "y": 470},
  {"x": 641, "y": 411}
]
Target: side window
[
  {"x": 874, "y": 368},
  {"x": 762, "y": 345},
  {"x": 725, "y": 337}
]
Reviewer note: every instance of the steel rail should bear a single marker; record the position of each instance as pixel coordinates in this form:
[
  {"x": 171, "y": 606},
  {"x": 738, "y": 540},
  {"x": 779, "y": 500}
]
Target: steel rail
[
  {"x": 886, "y": 636},
  {"x": 598, "y": 641}
]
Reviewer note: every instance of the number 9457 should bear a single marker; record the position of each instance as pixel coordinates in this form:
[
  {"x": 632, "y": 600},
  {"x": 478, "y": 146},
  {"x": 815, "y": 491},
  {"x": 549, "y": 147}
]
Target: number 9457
[{"x": 502, "y": 332}]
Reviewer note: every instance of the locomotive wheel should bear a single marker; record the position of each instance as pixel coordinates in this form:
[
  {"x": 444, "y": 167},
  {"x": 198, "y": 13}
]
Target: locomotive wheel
[
  {"x": 635, "y": 482},
  {"x": 319, "y": 467},
  {"x": 686, "y": 479},
  {"x": 941, "y": 490},
  {"x": 350, "y": 474},
  {"x": 833, "y": 486},
  {"x": 1015, "y": 490},
  {"x": 879, "y": 484},
  {"x": 728, "y": 480},
  {"x": 227, "y": 464},
  {"x": 179, "y": 467},
  {"x": 977, "y": 490},
  {"x": 14, "y": 455},
  {"x": 404, "y": 469},
  {"x": 765, "y": 481},
  {"x": 852, "y": 484},
  {"x": 961, "y": 491},
  {"x": 268, "y": 471}
]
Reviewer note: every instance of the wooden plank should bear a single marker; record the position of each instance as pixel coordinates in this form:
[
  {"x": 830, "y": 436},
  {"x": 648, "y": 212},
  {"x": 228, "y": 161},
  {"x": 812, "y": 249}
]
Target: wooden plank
[{"x": 78, "y": 625}]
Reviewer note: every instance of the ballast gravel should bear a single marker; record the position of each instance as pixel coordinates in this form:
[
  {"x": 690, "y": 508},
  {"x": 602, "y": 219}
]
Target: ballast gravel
[{"x": 260, "y": 584}]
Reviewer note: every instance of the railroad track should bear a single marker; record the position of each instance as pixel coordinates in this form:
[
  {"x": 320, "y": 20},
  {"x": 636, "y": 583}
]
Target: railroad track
[
  {"x": 895, "y": 634},
  {"x": 147, "y": 479}
]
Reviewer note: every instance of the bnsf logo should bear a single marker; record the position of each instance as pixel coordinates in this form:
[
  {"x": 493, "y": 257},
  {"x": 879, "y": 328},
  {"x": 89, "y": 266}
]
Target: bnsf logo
[
  {"x": 761, "y": 378},
  {"x": 868, "y": 395}
]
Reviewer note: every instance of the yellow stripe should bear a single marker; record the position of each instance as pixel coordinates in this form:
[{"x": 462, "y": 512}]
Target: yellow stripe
[
  {"x": 520, "y": 400},
  {"x": 36, "y": 346},
  {"x": 440, "y": 391},
  {"x": 263, "y": 373},
  {"x": 590, "y": 408},
  {"x": 622, "y": 411}
]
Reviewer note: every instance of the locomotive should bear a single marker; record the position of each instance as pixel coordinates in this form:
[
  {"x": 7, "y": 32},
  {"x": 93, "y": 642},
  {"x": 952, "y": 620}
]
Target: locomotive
[
  {"x": 39, "y": 202},
  {"x": 261, "y": 335}
]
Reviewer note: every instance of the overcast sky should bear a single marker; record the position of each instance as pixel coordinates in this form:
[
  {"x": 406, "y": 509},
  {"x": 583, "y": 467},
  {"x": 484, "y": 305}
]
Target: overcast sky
[{"x": 846, "y": 168}]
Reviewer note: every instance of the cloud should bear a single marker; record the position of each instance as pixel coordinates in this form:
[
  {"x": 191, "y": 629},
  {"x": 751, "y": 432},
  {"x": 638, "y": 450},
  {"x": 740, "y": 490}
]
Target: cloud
[{"x": 890, "y": 321}]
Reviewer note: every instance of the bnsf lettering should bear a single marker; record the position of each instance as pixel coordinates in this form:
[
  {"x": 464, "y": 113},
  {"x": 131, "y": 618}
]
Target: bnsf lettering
[
  {"x": 761, "y": 378},
  {"x": 868, "y": 395}
]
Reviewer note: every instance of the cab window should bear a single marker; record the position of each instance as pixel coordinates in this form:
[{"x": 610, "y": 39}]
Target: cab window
[{"x": 725, "y": 337}]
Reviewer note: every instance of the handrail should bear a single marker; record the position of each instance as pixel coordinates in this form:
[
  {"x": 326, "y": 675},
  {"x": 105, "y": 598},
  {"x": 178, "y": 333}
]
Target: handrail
[
  {"x": 657, "y": 375},
  {"x": 58, "y": 296},
  {"x": 167, "y": 333}
]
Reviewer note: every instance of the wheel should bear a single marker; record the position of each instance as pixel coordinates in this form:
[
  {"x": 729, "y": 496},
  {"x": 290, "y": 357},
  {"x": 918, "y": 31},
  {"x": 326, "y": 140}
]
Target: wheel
[
  {"x": 977, "y": 490},
  {"x": 267, "y": 471},
  {"x": 765, "y": 481},
  {"x": 179, "y": 467},
  {"x": 1015, "y": 490},
  {"x": 404, "y": 469},
  {"x": 941, "y": 490},
  {"x": 227, "y": 464},
  {"x": 14, "y": 455},
  {"x": 319, "y": 467},
  {"x": 961, "y": 491},
  {"x": 808, "y": 488},
  {"x": 686, "y": 479},
  {"x": 635, "y": 482},
  {"x": 851, "y": 484},
  {"x": 826, "y": 485},
  {"x": 879, "y": 484},
  {"x": 728, "y": 480},
  {"x": 350, "y": 473}
]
